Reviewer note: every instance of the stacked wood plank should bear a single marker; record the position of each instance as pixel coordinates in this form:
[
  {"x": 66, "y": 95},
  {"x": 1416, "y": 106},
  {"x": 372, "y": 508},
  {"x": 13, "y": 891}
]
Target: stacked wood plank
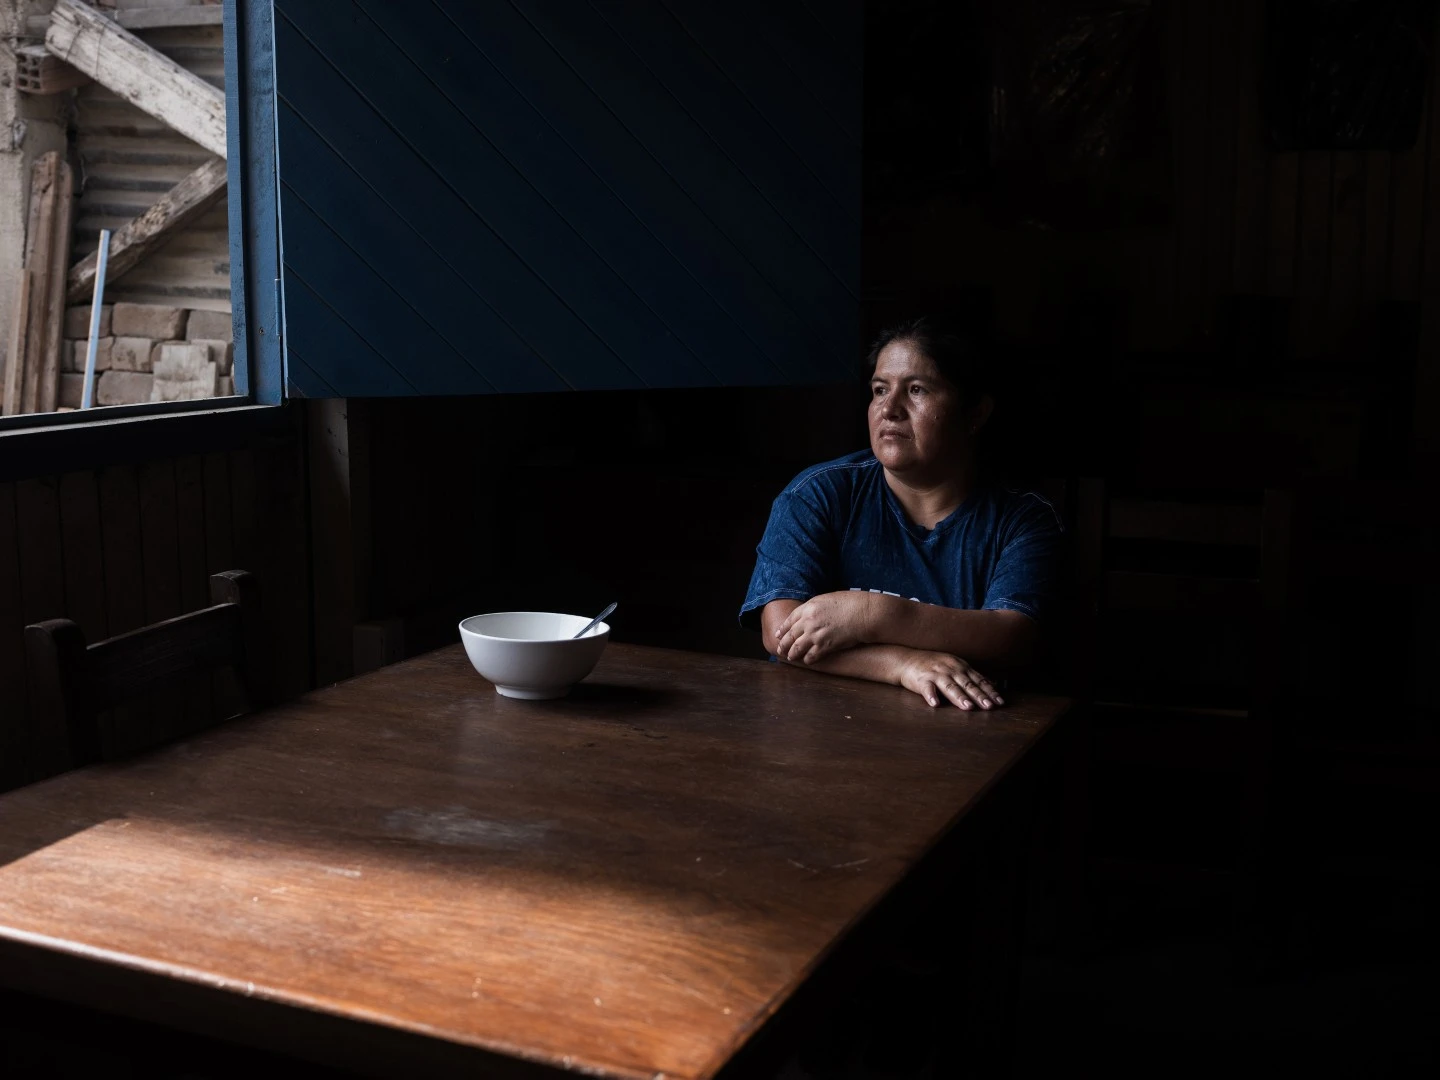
[{"x": 32, "y": 369}]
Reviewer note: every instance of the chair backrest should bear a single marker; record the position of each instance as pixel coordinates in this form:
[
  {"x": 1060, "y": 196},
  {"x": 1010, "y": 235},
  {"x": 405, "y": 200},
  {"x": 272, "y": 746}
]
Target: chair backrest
[
  {"x": 72, "y": 683},
  {"x": 1185, "y": 594}
]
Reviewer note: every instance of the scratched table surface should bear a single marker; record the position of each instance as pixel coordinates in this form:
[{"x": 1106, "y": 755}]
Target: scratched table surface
[{"x": 625, "y": 882}]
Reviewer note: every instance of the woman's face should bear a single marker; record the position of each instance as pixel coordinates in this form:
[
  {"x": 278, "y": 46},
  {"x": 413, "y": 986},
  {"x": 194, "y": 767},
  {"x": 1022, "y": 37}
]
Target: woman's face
[{"x": 916, "y": 415}]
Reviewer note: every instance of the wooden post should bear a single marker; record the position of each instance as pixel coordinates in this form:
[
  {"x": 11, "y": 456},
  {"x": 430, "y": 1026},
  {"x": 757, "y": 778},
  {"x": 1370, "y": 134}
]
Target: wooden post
[
  {"x": 148, "y": 79},
  {"x": 62, "y": 198},
  {"x": 181, "y": 205},
  {"x": 15, "y": 359},
  {"x": 38, "y": 238},
  {"x": 35, "y": 354}
]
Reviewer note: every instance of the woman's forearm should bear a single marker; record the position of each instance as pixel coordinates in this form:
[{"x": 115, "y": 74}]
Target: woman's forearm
[
  {"x": 878, "y": 663},
  {"x": 992, "y": 640}
]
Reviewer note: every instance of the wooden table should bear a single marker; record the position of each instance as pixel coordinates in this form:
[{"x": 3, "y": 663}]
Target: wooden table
[{"x": 407, "y": 872}]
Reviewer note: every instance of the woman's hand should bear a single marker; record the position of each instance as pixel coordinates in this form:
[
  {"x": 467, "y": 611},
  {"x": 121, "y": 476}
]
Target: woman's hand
[
  {"x": 936, "y": 676},
  {"x": 827, "y": 624}
]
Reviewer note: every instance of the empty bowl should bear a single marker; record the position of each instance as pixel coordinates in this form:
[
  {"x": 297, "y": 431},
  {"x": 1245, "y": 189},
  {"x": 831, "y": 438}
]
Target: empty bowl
[{"x": 532, "y": 654}]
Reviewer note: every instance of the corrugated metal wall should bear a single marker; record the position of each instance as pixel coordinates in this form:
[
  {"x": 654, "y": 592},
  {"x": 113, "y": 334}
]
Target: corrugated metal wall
[{"x": 128, "y": 160}]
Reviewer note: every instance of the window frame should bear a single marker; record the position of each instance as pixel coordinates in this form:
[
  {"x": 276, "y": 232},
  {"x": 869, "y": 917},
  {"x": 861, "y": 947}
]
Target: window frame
[{"x": 96, "y": 436}]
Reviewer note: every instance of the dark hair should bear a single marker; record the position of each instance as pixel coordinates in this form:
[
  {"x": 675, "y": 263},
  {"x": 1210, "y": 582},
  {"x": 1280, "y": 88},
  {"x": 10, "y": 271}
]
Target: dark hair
[{"x": 959, "y": 353}]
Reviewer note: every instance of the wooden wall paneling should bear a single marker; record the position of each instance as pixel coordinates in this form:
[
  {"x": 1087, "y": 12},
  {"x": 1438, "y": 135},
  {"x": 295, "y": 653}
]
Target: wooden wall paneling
[
  {"x": 1427, "y": 375},
  {"x": 13, "y": 692},
  {"x": 1222, "y": 153},
  {"x": 42, "y": 594},
  {"x": 1194, "y": 84},
  {"x": 124, "y": 558},
  {"x": 244, "y": 520},
  {"x": 160, "y": 539},
  {"x": 194, "y": 575},
  {"x": 281, "y": 494},
  {"x": 83, "y": 550},
  {"x": 1347, "y": 247},
  {"x": 219, "y": 542},
  {"x": 341, "y": 530},
  {"x": 246, "y": 540},
  {"x": 219, "y": 552},
  {"x": 1408, "y": 186},
  {"x": 597, "y": 211},
  {"x": 1249, "y": 272},
  {"x": 1312, "y": 252},
  {"x": 1282, "y": 213},
  {"x": 159, "y": 716},
  {"x": 42, "y": 581},
  {"x": 1375, "y": 237}
]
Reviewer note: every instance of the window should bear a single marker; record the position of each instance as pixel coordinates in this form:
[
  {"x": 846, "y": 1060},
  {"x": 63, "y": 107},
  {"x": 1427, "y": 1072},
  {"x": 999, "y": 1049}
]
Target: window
[{"x": 185, "y": 188}]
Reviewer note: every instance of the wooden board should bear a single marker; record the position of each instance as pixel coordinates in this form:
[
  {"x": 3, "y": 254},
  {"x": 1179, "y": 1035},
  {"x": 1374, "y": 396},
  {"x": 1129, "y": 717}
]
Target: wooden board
[
  {"x": 19, "y": 336},
  {"x": 53, "y": 265},
  {"x": 13, "y": 695},
  {"x": 82, "y": 544},
  {"x": 161, "y": 17},
  {"x": 32, "y": 380},
  {"x": 39, "y": 249},
  {"x": 130, "y": 243},
  {"x": 194, "y": 578},
  {"x": 147, "y": 79},
  {"x": 1250, "y": 175}
]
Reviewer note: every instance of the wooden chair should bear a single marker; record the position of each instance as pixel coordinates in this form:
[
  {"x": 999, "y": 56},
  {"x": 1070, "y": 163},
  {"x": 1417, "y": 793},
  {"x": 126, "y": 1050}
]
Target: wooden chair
[
  {"x": 1178, "y": 650},
  {"x": 73, "y": 683}
]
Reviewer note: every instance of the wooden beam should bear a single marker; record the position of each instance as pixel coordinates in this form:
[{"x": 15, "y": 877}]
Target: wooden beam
[
  {"x": 53, "y": 265},
  {"x": 135, "y": 239},
  {"x": 39, "y": 71},
  {"x": 150, "y": 81},
  {"x": 153, "y": 18},
  {"x": 46, "y": 243},
  {"x": 15, "y": 358}
]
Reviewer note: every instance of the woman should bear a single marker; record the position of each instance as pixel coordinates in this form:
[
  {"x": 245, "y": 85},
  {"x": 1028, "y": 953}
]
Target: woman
[{"x": 898, "y": 564}]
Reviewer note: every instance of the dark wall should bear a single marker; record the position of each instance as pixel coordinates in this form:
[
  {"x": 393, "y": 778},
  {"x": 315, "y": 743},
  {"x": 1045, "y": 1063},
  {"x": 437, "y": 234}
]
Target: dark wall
[
  {"x": 566, "y": 502},
  {"x": 549, "y": 195},
  {"x": 123, "y": 545}
]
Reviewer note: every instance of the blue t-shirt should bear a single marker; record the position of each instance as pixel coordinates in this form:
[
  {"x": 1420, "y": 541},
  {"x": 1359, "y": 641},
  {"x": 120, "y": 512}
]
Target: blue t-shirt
[{"x": 838, "y": 526}]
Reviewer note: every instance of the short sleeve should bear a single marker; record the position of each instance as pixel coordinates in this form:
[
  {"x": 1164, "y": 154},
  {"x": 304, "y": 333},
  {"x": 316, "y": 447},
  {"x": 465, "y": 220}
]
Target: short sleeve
[
  {"x": 1026, "y": 577},
  {"x": 795, "y": 559}
]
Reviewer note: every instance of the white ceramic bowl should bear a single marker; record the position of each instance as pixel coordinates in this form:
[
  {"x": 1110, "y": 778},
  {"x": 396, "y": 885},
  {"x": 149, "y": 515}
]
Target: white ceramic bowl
[{"x": 532, "y": 654}]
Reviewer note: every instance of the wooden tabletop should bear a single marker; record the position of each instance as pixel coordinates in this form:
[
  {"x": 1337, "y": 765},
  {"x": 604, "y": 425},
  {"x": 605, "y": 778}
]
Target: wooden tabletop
[{"x": 625, "y": 882}]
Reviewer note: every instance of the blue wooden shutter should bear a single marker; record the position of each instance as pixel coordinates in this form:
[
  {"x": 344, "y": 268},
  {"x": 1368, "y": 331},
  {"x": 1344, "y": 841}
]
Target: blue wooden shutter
[{"x": 533, "y": 195}]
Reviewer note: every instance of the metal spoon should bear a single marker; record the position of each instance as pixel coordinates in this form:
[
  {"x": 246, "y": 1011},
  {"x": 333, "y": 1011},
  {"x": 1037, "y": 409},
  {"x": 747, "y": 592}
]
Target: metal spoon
[{"x": 598, "y": 619}]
